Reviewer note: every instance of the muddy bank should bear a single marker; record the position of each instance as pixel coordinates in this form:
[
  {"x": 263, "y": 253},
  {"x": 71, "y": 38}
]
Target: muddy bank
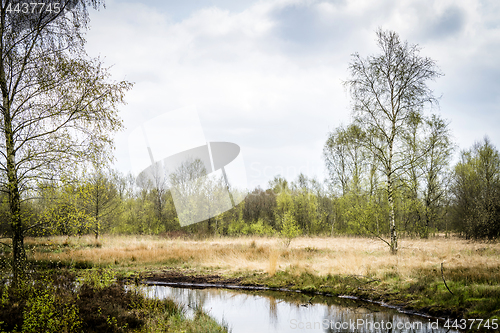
[
  {"x": 194, "y": 280},
  {"x": 189, "y": 278}
]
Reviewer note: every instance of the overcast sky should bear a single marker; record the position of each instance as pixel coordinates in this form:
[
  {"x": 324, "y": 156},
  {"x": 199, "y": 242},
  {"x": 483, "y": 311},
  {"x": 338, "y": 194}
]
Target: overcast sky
[{"x": 267, "y": 75}]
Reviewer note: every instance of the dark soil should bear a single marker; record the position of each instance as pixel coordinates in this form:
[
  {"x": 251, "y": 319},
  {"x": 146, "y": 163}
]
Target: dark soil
[{"x": 176, "y": 276}]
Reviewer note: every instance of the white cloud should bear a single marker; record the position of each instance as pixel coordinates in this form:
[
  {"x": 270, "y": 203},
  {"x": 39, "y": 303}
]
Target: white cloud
[{"x": 267, "y": 75}]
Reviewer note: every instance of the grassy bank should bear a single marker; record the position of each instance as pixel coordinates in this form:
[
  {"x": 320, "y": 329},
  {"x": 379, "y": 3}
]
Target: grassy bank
[
  {"x": 90, "y": 301},
  {"x": 354, "y": 266}
]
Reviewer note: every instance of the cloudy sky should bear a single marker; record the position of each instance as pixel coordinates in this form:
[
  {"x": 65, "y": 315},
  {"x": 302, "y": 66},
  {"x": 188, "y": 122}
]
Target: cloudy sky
[{"x": 267, "y": 75}]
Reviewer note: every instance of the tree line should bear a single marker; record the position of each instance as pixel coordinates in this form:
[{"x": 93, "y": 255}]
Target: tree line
[{"x": 429, "y": 197}]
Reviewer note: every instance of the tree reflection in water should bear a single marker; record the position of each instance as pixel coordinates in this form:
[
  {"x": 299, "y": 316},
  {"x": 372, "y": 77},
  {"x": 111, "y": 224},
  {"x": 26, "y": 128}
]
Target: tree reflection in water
[{"x": 280, "y": 312}]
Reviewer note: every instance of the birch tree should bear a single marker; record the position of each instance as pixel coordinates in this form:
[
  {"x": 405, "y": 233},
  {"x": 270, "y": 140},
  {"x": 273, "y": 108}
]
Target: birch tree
[
  {"x": 387, "y": 90},
  {"x": 58, "y": 106}
]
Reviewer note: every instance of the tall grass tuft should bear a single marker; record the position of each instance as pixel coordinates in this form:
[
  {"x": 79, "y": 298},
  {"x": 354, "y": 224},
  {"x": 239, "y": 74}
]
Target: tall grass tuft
[{"x": 273, "y": 262}]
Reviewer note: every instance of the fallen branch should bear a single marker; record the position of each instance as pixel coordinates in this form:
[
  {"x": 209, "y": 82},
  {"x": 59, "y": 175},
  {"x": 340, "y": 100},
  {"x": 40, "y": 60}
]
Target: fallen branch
[{"x": 442, "y": 275}]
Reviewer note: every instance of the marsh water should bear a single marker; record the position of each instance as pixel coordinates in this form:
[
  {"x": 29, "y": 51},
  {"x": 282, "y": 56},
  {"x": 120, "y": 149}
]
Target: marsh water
[{"x": 289, "y": 312}]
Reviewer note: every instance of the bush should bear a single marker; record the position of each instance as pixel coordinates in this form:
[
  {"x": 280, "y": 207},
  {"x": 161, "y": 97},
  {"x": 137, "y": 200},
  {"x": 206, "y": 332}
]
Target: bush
[
  {"x": 259, "y": 228},
  {"x": 43, "y": 314}
]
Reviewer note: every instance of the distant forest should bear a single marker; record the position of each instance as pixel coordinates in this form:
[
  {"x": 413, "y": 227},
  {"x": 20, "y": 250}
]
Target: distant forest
[{"x": 430, "y": 197}]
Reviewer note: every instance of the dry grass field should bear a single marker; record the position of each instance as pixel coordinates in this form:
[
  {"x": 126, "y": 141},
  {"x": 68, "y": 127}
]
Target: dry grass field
[
  {"x": 320, "y": 256},
  {"x": 360, "y": 267}
]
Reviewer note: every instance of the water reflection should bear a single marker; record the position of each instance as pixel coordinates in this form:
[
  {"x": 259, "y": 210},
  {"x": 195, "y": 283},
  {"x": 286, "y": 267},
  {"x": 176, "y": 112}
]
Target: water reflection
[{"x": 279, "y": 312}]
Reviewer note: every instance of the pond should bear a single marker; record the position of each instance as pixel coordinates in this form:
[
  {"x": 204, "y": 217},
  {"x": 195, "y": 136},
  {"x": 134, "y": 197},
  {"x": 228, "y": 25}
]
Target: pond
[{"x": 289, "y": 312}]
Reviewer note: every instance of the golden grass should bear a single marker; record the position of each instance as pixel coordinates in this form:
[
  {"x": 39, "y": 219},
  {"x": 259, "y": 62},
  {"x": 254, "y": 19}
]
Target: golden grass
[
  {"x": 319, "y": 255},
  {"x": 273, "y": 261}
]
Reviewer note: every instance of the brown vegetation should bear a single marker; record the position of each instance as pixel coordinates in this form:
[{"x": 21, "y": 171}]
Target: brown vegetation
[{"x": 318, "y": 255}]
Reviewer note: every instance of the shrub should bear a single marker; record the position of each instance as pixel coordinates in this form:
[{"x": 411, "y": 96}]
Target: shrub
[{"x": 289, "y": 228}]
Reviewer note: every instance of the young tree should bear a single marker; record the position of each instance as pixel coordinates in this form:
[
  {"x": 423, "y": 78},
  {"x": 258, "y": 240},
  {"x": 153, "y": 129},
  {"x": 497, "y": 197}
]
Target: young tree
[
  {"x": 476, "y": 192},
  {"x": 285, "y": 217},
  {"x": 387, "y": 90},
  {"x": 61, "y": 209},
  {"x": 435, "y": 169},
  {"x": 305, "y": 204},
  {"x": 156, "y": 184},
  {"x": 57, "y": 105},
  {"x": 101, "y": 198},
  {"x": 344, "y": 156}
]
